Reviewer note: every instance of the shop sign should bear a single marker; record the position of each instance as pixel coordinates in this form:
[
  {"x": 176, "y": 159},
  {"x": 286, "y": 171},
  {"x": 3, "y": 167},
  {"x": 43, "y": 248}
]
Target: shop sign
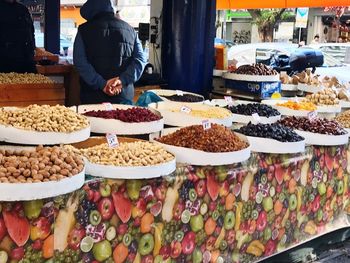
[{"x": 302, "y": 17}]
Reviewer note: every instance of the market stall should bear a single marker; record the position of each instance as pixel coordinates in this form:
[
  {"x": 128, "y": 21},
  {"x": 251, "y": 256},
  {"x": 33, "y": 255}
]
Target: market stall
[{"x": 200, "y": 193}]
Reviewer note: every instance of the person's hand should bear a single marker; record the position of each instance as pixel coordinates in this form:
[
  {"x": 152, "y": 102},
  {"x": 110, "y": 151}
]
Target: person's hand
[
  {"x": 108, "y": 90},
  {"x": 115, "y": 86}
]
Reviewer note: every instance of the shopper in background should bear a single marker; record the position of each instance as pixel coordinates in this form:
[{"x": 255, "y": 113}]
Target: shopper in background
[
  {"x": 107, "y": 54},
  {"x": 17, "y": 42},
  {"x": 316, "y": 40}
]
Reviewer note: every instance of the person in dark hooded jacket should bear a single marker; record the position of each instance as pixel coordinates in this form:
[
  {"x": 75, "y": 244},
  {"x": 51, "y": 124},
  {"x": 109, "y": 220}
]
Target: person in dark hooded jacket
[
  {"x": 107, "y": 54},
  {"x": 17, "y": 43}
]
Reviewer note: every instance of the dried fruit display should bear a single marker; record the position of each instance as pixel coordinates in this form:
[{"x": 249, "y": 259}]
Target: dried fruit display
[
  {"x": 40, "y": 165},
  {"x": 262, "y": 110},
  {"x": 130, "y": 154},
  {"x": 302, "y": 105},
  {"x": 271, "y": 131},
  {"x": 255, "y": 69},
  {"x": 210, "y": 112},
  {"x": 327, "y": 97},
  {"x": 25, "y": 78},
  {"x": 129, "y": 115},
  {"x": 43, "y": 118},
  {"x": 318, "y": 125},
  {"x": 305, "y": 77},
  {"x": 216, "y": 139},
  {"x": 184, "y": 98},
  {"x": 344, "y": 119},
  {"x": 235, "y": 213}
]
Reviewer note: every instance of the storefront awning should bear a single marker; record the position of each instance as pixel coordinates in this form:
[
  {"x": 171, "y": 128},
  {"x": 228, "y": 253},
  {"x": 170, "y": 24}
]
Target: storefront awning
[{"x": 255, "y": 4}]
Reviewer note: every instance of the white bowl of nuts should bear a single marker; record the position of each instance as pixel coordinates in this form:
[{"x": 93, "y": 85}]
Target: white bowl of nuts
[
  {"x": 28, "y": 173},
  {"x": 131, "y": 159},
  {"x": 47, "y": 125}
]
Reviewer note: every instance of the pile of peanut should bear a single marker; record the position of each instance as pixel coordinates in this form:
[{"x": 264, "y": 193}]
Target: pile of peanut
[
  {"x": 325, "y": 97},
  {"x": 26, "y": 78},
  {"x": 44, "y": 119},
  {"x": 137, "y": 153},
  {"x": 40, "y": 165}
]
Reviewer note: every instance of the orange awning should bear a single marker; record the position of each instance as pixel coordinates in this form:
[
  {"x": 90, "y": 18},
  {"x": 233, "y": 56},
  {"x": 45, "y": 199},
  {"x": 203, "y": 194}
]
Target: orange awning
[{"x": 256, "y": 4}]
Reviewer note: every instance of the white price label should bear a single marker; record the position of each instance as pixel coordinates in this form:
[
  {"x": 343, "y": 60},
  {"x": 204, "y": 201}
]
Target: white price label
[
  {"x": 312, "y": 115},
  {"x": 179, "y": 93},
  {"x": 256, "y": 117},
  {"x": 206, "y": 124},
  {"x": 108, "y": 106},
  {"x": 186, "y": 109},
  {"x": 112, "y": 140},
  {"x": 228, "y": 100}
]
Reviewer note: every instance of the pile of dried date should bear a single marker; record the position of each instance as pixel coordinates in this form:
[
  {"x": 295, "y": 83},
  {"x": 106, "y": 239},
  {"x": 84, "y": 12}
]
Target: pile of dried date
[
  {"x": 256, "y": 69},
  {"x": 318, "y": 125}
]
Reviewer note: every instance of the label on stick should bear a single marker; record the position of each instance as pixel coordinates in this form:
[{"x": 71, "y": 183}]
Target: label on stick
[
  {"x": 312, "y": 115},
  {"x": 186, "y": 109},
  {"x": 206, "y": 125},
  {"x": 179, "y": 93},
  {"x": 112, "y": 140},
  {"x": 108, "y": 106}
]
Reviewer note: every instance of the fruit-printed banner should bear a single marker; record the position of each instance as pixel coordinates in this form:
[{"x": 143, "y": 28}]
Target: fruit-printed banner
[{"x": 202, "y": 214}]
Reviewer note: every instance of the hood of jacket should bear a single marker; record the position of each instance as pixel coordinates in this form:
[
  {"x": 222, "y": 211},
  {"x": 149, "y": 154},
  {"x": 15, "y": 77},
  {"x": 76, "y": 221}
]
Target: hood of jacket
[{"x": 94, "y": 7}]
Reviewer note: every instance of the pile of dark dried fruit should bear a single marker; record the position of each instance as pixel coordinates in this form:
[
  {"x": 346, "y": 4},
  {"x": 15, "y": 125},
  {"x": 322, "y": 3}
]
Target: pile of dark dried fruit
[
  {"x": 184, "y": 98},
  {"x": 131, "y": 115},
  {"x": 216, "y": 139},
  {"x": 318, "y": 125},
  {"x": 271, "y": 131},
  {"x": 262, "y": 110},
  {"x": 255, "y": 69}
]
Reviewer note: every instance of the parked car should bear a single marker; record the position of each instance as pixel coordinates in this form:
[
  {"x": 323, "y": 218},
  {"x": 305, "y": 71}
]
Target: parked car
[
  {"x": 337, "y": 50},
  {"x": 262, "y": 52},
  {"x": 65, "y": 44}
]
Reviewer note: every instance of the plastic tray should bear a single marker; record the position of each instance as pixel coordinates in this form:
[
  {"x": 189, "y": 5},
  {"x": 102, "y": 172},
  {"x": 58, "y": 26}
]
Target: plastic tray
[
  {"x": 103, "y": 126},
  {"x": 196, "y": 157},
  {"x": 323, "y": 139},
  {"x": 180, "y": 119},
  {"x": 264, "y": 145},
  {"x": 119, "y": 172}
]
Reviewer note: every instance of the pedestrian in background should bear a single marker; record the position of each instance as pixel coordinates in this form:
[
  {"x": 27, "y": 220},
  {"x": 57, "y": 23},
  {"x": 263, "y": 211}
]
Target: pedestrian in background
[
  {"x": 17, "y": 42},
  {"x": 107, "y": 54}
]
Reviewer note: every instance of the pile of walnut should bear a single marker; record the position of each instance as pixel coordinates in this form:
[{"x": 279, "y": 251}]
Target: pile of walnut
[
  {"x": 305, "y": 77},
  {"x": 325, "y": 97},
  {"x": 40, "y": 165},
  {"x": 129, "y": 154},
  {"x": 44, "y": 119},
  {"x": 26, "y": 78}
]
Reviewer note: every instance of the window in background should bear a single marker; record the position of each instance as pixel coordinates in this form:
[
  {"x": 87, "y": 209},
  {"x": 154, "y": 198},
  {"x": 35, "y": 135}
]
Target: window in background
[
  {"x": 135, "y": 11},
  {"x": 37, "y": 10}
]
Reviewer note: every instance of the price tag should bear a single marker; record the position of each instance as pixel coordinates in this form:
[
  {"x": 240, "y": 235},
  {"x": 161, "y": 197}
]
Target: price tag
[
  {"x": 186, "y": 109},
  {"x": 179, "y": 93},
  {"x": 256, "y": 117},
  {"x": 228, "y": 100},
  {"x": 312, "y": 115},
  {"x": 206, "y": 124},
  {"x": 108, "y": 106},
  {"x": 112, "y": 140}
]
